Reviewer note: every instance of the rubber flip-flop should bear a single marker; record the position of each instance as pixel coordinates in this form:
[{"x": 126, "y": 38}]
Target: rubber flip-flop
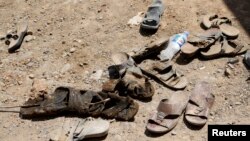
[
  {"x": 21, "y": 32},
  {"x": 168, "y": 113},
  {"x": 208, "y": 20},
  {"x": 153, "y": 15},
  {"x": 91, "y": 128},
  {"x": 224, "y": 49},
  {"x": 200, "y": 103},
  {"x": 201, "y": 41},
  {"x": 229, "y": 30}
]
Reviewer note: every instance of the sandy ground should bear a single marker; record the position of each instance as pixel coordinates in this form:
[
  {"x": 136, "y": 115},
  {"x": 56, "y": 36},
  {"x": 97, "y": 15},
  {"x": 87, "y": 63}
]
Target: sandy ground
[{"x": 74, "y": 38}]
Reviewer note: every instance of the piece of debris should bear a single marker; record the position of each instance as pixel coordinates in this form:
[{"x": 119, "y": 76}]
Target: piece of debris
[
  {"x": 247, "y": 58},
  {"x": 136, "y": 20}
]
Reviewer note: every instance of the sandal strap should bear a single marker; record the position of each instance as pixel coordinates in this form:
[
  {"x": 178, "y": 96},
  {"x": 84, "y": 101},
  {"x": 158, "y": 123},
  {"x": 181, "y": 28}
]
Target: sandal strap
[{"x": 164, "y": 109}]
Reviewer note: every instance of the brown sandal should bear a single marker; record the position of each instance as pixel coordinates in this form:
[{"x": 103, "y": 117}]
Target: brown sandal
[
  {"x": 168, "y": 113},
  {"x": 164, "y": 73},
  {"x": 199, "y": 104}
]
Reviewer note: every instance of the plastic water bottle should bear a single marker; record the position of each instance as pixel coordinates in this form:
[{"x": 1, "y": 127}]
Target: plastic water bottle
[{"x": 174, "y": 45}]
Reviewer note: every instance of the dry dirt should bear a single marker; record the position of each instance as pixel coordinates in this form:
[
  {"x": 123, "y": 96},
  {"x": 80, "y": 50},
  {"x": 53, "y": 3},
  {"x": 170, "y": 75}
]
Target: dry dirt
[{"x": 74, "y": 38}]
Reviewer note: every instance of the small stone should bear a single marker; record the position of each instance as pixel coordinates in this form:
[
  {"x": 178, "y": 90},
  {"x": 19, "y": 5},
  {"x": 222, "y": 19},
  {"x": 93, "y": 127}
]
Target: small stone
[
  {"x": 63, "y": 42},
  {"x": 19, "y": 82},
  {"x": 202, "y": 68},
  {"x": 29, "y": 38},
  {"x": 65, "y": 68},
  {"x": 228, "y": 72},
  {"x": 31, "y": 76},
  {"x": 211, "y": 113},
  {"x": 233, "y": 60},
  {"x": 72, "y": 50},
  {"x": 237, "y": 103},
  {"x": 173, "y": 133},
  {"x": 231, "y": 66}
]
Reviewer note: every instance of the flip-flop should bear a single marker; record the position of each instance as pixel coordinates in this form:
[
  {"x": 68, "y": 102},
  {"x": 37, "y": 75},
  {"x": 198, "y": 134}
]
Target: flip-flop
[
  {"x": 168, "y": 113},
  {"x": 229, "y": 30},
  {"x": 153, "y": 15},
  {"x": 164, "y": 73},
  {"x": 91, "y": 128},
  {"x": 225, "y": 25},
  {"x": 21, "y": 32},
  {"x": 200, "y": 103},
  {"x": 224, "y": 48},
  {"x": 213, "y": 20},
  {"x": 201, "y": 41}
]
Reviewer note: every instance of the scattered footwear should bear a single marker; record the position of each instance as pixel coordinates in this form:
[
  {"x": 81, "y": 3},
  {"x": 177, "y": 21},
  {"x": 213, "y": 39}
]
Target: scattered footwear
[
  {"x": 199, "y": 104},
  {"x": 164, "y": 73},
  {"x": 168, "y": 113},
  {"x": 153, "y": 15}
]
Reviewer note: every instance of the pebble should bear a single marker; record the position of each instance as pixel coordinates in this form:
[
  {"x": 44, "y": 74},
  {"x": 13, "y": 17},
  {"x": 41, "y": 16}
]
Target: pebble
[
  {"x": 173, "y": 133},
  {"x": 65, "y": 68},
  {"x": 237, "y": 103},
  {"x": 29, "y": 38},
  {"x": 233, "y": 60},
  {"x": 72, "y": 50},
  {"x": 228, "y": 72},
  {"x": 31, "y": 76}
]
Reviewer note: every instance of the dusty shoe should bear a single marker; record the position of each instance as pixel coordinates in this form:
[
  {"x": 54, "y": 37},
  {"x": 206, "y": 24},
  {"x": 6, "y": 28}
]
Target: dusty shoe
[
  {"x": 121, "y": 108},
  {"x": 65, "y": 99}
]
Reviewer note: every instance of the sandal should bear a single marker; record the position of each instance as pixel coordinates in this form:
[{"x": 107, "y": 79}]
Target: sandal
[
  {"x": 137, "y": 84},
  {"x": 223, "y": 23},
  {"x": 224, "y": 48},
  {"x": 168, "y": 113},
  {"x": 151, "y": 49},
  {"x": 201, "y": 41},
  {"x": 164, "y": 73},
  {"x": 152, "y": 17},
  {"x": 90, "y": 128},
  {"x": 65, "y": 99},
  {"x": 16, "y": 43},
  {"x": 199, "y": 104},
  {"x": 121, "y": 108}
]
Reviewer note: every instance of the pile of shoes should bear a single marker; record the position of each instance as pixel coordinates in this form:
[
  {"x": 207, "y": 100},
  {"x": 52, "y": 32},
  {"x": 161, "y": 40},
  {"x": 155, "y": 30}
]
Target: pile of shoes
[{"x": 218, "y": 40}]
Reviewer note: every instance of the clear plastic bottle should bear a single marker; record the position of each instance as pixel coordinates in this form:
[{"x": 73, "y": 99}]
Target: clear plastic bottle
[{"x": 174, "y": 45}]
